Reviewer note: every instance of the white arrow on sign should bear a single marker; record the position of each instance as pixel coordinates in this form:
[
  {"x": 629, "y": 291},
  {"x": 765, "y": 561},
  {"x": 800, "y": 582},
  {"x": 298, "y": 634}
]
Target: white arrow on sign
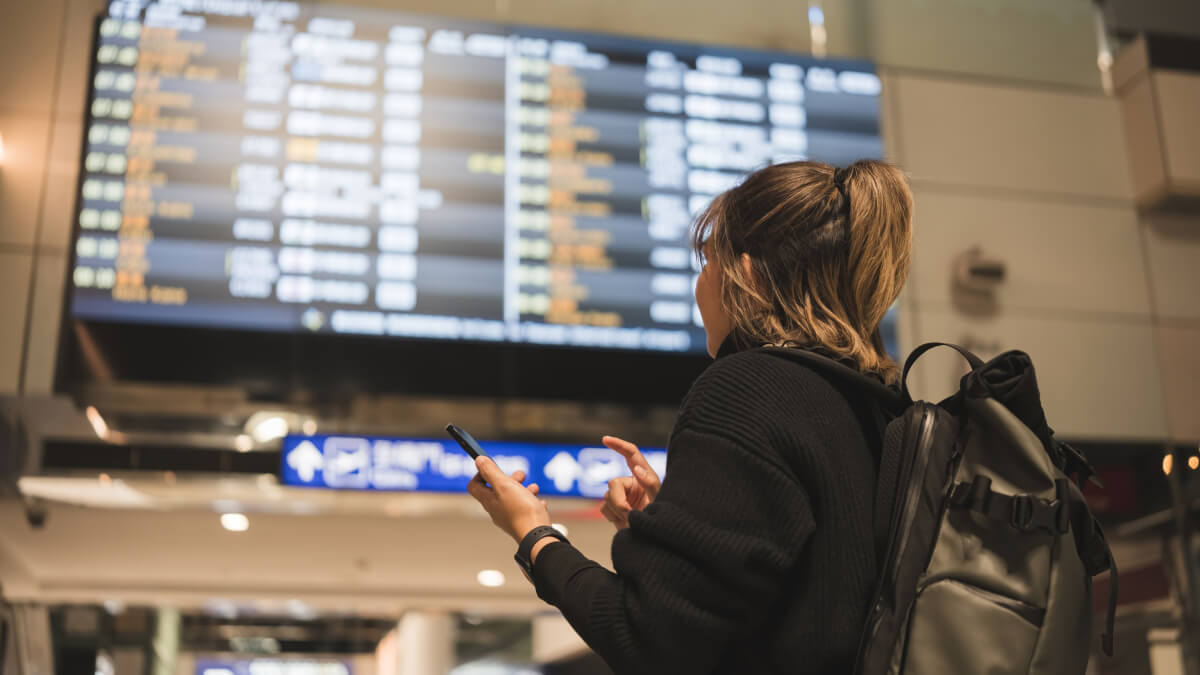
[
  {"x": 563, "y": 470},
  {"x": 306, "y": 459}
]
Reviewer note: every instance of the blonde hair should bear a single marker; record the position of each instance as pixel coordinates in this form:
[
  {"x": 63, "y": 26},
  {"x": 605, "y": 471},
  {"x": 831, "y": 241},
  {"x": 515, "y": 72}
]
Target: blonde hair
[{"x": 829, "y": 248}]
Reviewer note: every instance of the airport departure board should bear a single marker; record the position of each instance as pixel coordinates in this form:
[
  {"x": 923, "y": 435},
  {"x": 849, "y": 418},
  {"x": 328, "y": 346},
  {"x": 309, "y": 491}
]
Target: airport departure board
[{"x": 302, "y": 167}]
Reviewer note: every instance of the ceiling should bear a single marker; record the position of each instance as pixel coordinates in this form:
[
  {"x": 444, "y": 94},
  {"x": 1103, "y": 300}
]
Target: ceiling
[{"x": 151, "y": 540}]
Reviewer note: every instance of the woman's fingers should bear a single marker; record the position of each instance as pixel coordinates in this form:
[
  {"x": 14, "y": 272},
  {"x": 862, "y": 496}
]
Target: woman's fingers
[
  {"x": 636, "y": 496},
  {"x": 619, "y": 501},
  {"x": 611, "y": 515},
  {"x": 480, "y": 490},
  {"x": 648, "y": 480},
  {"x": 634, "y": 458},
  {"x": 628, "y": 450},
  {"x": 490, "y": 472},
  {"x": 617, "y": 493},
  {"x": 604, "y": 511}
]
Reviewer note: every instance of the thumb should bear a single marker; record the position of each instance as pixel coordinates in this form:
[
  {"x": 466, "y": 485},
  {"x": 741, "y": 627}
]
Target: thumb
[{"x": 490, "y": 472}]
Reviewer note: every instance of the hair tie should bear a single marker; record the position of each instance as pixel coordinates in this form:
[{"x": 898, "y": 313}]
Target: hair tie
[{"x": 839, "y": 182}]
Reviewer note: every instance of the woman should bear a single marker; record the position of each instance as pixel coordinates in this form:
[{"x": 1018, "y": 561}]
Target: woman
[{"x": 755, "y": 554}]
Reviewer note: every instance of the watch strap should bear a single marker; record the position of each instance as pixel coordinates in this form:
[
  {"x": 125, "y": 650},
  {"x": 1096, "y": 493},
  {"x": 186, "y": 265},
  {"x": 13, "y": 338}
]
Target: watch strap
[{"x": 525, "y": 550}]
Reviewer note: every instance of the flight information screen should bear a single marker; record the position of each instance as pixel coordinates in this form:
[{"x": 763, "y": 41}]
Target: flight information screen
[{"x": 289, "y": 166}]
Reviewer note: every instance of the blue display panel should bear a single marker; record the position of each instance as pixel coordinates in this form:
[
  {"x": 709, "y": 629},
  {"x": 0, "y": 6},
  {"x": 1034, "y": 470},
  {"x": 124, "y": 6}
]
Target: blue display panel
[
  {"x": 429, "y": 465},
  {"x": 304, "y": 167}
]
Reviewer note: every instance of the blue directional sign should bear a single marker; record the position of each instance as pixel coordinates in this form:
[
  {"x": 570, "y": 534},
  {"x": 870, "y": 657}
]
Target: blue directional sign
[{"x": 429, "y": 465}]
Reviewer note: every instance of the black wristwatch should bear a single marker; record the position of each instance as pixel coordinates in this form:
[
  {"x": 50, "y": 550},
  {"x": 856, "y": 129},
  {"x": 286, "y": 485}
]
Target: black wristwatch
[{"x": 526, "y": 548}]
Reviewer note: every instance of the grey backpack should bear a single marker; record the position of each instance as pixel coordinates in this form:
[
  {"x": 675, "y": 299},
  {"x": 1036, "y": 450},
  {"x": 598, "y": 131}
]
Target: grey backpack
[{"x": 987, "y": 547}]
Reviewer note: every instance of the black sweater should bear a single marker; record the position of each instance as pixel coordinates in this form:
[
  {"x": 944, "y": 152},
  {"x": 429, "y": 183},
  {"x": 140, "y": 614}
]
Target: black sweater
[{"x": 757, "y": 555}]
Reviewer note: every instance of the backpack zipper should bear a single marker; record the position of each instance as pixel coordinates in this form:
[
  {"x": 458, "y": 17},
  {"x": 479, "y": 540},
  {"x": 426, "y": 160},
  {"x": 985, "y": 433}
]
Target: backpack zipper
[{"x": 920, "y": 467}]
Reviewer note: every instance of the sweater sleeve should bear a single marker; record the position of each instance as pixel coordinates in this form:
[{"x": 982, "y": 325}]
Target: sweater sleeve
[{"x": 700, "y": 566}]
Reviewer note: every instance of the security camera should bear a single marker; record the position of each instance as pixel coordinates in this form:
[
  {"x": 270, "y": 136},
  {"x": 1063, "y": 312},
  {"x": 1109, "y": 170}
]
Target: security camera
[
  {"x": 35, "y": 514},
  {"x": 975, "y": 282},
  {"x": 974, "y": 273}
]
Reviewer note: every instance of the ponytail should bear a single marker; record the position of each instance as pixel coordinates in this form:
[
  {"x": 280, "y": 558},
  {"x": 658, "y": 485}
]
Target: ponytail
[{"x": 830, "y": 251}]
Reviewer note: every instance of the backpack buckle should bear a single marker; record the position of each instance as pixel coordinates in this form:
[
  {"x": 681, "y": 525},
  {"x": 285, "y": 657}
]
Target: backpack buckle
[
  {"x": 1031, "y": 514},
  {"x": 1062, "y": 516},
  {"x": 1023, "y": 513},
  {"x": 1063, "y": 511}
]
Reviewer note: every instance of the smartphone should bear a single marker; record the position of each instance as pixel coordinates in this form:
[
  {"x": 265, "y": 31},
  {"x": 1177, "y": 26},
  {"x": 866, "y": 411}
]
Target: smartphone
[{"x": 469, "y": 444}]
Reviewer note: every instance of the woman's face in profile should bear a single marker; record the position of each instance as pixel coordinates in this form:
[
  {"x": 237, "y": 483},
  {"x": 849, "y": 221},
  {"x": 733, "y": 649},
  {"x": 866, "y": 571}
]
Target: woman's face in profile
[{"x": 708, "y": 298}]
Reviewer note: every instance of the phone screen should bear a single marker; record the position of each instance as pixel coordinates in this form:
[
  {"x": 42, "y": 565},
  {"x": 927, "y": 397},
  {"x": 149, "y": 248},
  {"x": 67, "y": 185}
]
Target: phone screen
[{"x": 469, "y": 444}]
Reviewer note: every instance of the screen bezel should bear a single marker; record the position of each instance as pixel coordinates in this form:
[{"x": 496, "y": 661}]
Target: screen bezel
[{"x": 280, "y": 365}]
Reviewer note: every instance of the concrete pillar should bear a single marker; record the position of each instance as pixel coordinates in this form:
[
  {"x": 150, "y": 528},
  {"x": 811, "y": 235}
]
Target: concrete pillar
[
  {"x": 166, "y": 642},
  {"x": 28, "y": 650},
  {"x": 424, "y": 644}
]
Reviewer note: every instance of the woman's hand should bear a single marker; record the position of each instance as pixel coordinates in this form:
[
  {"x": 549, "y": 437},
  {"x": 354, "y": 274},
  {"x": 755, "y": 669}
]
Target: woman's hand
[
  {"x": 629, "y": 493},
  {"x": 513, "y": 507}
]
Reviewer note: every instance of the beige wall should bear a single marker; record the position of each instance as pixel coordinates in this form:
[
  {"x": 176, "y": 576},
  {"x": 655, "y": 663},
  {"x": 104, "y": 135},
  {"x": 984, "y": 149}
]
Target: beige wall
[
  {"x": 1104, "y": 300},
  {"x": 1035, "y": 175}
]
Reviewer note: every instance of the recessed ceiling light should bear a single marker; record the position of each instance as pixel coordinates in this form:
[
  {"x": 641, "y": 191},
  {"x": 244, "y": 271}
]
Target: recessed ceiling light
[
  {"x": 490, "y": 578},
  {"x": 265, "y": 427},
  {"x": 235, "y": 522}
]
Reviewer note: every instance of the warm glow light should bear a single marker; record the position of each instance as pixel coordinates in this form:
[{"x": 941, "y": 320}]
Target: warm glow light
[
  {"x": 96, "y": 421},
  {"x": 309, "y": 427},
  {"x": 269, "y": 429},
  {"x": 490, "y": 578},
  {"x": 243, "y": 443},
  {"x": 301, "y": 611},
  {"x": 235, "y": 522},
  {"x": 1194, "y": 462},
  {"x": 816, "y": 28},
  {"x": 1168, "y": 463}
]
